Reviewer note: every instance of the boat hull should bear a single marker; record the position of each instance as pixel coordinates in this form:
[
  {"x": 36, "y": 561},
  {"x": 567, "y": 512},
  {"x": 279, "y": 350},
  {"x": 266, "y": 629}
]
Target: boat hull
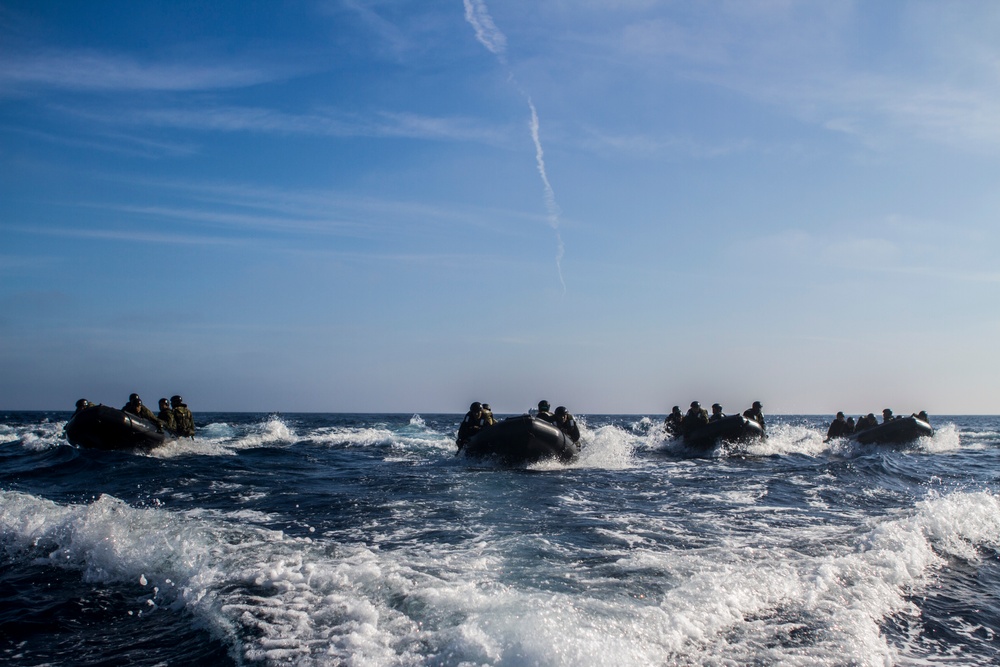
[
  {"x": 521, "y": 440},
  {"x": 896, "y": 432},
  {"x": 103, "y": 427},
  {"x": 734, "y": 428}
]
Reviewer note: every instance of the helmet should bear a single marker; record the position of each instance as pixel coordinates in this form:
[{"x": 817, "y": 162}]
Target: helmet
[
  {"x": 561, "y": 410},
  {"x": 543, "y": 405},
  {"x": 163, "y": 400},
  {"x": 695, "y": 404},
  {"x": 716, "y": 405},
  {"x": 133, "y": 398},
  {"x": 476, "y": 407},
  {"x": 176, "y": 400},
  {"x": 82, "y": 403},
  {"x": 757, "y": 405}
]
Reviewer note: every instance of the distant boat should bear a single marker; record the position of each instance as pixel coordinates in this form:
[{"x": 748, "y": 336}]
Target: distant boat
[
  {"x": 521, "y": 440},
  {"x": 898, "y": 431},
  {"x": 103, "y": 427},
  {"x": 734, "y": 428}
]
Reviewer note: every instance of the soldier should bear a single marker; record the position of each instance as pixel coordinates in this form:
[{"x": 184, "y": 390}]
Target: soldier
[
  {"x": 865, "y": 422},
  {"x": 695, "y": 418},
  {"x": 543, "y": 412},
  {"x": 471, "y": 424},
  {"x": 565, "y": 423},
  {"x": 717, "y": 413},
  {"x": 838, "y": 427},
  {"x": 135, "y": 407},
  {"x": 183, "y": 419},
  {"x": 487, "y": 419},
  {"x": 673, "y": 422},
  {"x": 755, "y": 413},
  {"x": 166, "y": 416}
]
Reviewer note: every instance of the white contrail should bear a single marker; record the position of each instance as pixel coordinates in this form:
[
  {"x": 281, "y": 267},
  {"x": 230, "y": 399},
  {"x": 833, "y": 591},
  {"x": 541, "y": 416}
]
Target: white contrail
[
  {"x": 486, "y": 31},
  {"x": 478, "y": 16},
  {"x": 550, "y": 196}
]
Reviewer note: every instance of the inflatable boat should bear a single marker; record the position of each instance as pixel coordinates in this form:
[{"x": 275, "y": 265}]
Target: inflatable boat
[
  {"x": 103, "y": 427},
  {"x": 734, "y": 428},
  {"x": 900, "y": 430},
  {"x": 521, "y": 440}
]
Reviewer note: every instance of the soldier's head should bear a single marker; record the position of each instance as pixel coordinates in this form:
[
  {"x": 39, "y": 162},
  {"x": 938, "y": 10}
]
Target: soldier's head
[
  {"x": 134, "y": 399},
  {"x": 176, "y": 401},
  {"x": 476, "y": 407},
  {"x": 543, "y": 406},
  {"x": 164, "y": 404}
]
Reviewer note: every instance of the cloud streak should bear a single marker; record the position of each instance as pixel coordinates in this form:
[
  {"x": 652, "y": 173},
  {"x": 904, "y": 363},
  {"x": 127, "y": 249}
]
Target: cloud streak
[
  {"x": 89, "y": 71},
  {"x": 383, "y": 124},
  {"x": 550, "y": 196},
  {"x": 486, "y": 31},
  {"x": 478, "y": 16}
]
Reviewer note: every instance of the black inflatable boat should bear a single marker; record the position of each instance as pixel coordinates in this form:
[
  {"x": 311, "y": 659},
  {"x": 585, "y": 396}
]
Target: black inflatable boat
[
  {"x": 900, "y": 430},
  {"x": 521, "y": 440},
  {"x": 734, "y": 428},
  {"x": 102, "y": 427}
]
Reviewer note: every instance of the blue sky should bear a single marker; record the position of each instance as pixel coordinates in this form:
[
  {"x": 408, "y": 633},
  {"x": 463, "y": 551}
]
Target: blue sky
[{"x": 406, "y": 206}]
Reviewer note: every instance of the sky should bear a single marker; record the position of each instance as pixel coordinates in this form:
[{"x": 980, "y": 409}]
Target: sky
[{"x": 410, "y": 205}]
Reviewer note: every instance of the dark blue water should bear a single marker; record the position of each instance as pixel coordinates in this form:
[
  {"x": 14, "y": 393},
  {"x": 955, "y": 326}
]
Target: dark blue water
[{"x": 314, "y": 539}]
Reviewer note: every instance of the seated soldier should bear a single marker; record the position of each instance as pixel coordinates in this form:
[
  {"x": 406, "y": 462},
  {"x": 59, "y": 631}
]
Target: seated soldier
[
  {"x": 471, "y": 424},
  {"x": 672, "y": 424},
  {"x": 183, "y": 419},
  {"x": 566, "y": 424},
  {"x": 135, "y": 407},
  {"x": 166, "y": 415},
  {"x": 543, "y": 412},
  {"x": 838, "y": 427},
  {"x": 695, "y": 418}
]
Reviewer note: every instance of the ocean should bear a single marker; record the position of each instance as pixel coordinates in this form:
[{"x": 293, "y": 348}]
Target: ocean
[{"x": 361, "y": 539}]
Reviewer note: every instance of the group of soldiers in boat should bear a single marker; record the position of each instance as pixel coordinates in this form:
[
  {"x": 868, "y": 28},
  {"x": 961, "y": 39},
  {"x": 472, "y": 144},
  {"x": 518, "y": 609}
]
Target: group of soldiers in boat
[
  {"x": 174, "y": 416},
  {"x": 678, "y": 424},
  {"x": 480, "y": 416},
  {"x": 842, "y": 427}
]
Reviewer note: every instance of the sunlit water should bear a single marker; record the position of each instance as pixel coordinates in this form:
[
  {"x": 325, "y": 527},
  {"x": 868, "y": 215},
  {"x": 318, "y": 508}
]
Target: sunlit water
[{"x": 362, "y": 540}]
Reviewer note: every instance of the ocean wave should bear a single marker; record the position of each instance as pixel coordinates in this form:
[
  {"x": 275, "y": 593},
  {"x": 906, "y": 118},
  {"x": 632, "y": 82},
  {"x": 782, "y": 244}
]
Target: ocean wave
[{"x": 278, "y": 599}]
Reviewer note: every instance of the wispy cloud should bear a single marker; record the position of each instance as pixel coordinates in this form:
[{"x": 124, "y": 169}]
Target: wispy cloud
[
  {"x": 330, "y": 123},
  {"x": 657, "y": 146},
  {"x": 934, "y": 79},
  {"x": 95, "y": 71},
  {"x": 478, "y": 16},
  {"x": 550, "y": 196},
  {"x": 387, "y": 32},
  {"x": 141, "y": 236},
  {"x": 112, "y": 142},
  {"x": 893, "y": 246}
]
